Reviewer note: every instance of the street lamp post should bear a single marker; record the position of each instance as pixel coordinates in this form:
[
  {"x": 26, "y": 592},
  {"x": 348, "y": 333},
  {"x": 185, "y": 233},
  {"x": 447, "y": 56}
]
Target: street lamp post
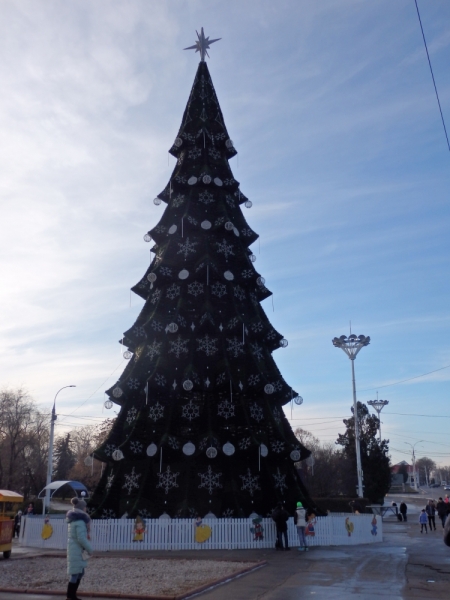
[
  {"x": 46, "y": 501},
  {"x": 414, "y": 462},
  {"x": 378, "y": 405},
  {"x": 351, "y": 345}
]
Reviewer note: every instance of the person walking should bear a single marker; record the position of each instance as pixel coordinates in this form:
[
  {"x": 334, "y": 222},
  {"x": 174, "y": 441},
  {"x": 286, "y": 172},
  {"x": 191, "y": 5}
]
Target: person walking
[
  {"x": 300, "y": 522},
  {"x": 442, "y": 509},
  {"x": 447, "y": 533},
  {"x": 430, "y": 509},
  {"x": 281, "y": 516},
  {"x": 17, "y": 519},
  {"x": 403, "y": 509},
  {"x": 423, "y": 520},
  {"x": 77, "y": 543}
]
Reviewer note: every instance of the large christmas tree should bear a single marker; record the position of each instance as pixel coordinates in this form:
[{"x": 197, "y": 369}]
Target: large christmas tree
[{"x": 201, "y": 426}]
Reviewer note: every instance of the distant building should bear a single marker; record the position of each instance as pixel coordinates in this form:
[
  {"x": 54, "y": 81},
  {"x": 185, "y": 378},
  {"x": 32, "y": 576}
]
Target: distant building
[{"x": 399, "y": 470}]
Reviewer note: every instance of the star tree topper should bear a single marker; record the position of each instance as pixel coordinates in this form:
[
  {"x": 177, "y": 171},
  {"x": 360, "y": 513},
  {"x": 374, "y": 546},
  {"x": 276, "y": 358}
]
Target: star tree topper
[{"x": 202, "y": 45}]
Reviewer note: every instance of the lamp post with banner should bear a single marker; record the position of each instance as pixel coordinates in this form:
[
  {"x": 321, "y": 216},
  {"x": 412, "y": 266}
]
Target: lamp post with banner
[{"x": 46, "y": 501}]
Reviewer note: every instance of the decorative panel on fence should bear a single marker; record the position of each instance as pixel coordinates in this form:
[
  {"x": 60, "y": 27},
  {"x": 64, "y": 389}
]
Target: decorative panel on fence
[{"x": 181, "y": 534}]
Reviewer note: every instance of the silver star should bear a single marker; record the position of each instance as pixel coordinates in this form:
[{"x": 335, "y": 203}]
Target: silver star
[
  {"x": 202, "y": 45},
  {"x": 174, "y": 384}
]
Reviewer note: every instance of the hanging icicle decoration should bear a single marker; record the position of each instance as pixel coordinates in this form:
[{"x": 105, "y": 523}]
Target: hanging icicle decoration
[
  {"x": 204, "y": 141},
  {"x": 182, "y": 226},
  {"x": 207, "y": 274},
  {"x": 231, "y": 391},
  {"x": 243, "y": 334},
  {"x": 146, "y": 393},
  {"x": 273, "y": 307},
  {"x": 160, "y": 459},
  {"x": 130, "y": 298}
]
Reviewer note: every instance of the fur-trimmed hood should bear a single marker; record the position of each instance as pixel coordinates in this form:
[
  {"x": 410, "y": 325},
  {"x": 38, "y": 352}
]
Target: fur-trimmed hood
[{"x": 76, "y": 514}]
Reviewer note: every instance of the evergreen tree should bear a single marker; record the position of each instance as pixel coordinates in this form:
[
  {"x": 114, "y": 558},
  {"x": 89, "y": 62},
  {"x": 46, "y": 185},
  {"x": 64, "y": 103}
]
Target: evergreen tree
[
  {"x": 374, "y": 456},
  {"x": 64, "y": 458},
  {"x": 201, "y": 426}
]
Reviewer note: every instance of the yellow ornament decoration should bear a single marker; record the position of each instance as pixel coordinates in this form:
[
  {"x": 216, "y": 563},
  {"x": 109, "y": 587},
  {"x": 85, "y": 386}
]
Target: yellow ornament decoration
[
  {"x": 202, "y": 532},
  {"x": 47, "y": 529}
]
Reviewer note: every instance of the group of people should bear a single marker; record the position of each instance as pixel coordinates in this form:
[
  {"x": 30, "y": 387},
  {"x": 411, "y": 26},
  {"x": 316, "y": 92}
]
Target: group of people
[
  {"x": 428, "y": 514},
  {"x": 280, "y": 515}
]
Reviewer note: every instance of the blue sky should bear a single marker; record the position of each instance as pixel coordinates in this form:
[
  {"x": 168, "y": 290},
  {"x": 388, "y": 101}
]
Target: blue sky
[{"x": 332, "y": 109}]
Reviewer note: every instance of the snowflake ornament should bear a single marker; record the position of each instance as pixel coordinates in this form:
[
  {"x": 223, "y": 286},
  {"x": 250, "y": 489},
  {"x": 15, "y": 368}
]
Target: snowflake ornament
[
  {"x": 247, "y": 273},
  {"x": 156, "y": 411},
  {"x": 245, "y": 443},
  {"x": 235, "y": 347},
  {"x": 219, "y": 289},
  {"x": 133, "y": 383},
  {"x": 166, "y": 271},
  {"x": 190, "y": 411},
  {"x": 232, "y": 323},
  {"x": 225, "y": 409},
  {"x": 187, "y": 247},
  {"x": 195, "y": 288},
  {"x": 173, "y": 291},
  {"x": 207, "y": 345},
  {"x": 239, "y": 293},
  {"x": 173, "y": 442},
  {"x": 256, "y": 412},
  {"x": 250, "y": 482},
  {"x": 227, "y": 513},
  {"x": 109, "y": 449},
  {"x": 277, "y": 446},
  {"x": 108, "y": 513},
  {"x": 139, "y": 331},
  {"x": 155, "y": 296},
  {"x": 109, "y": 481},
  {"x": 136, "y": 447},
  {"x": 215, "y": 154},
  {"x": 131, "y": 416},
  {"x": 178, "y": 200},
  {"x": 167, "y": 480},
  {"x": 220, "y": 379},
  {"x": 153, "y": 349},
  {"x": 257, "y": 351},
  {"x": 194, "y": 153},
  {"x": 210, "y": 480},
  {"x": 225, "y": 248},
  {"x": 206, "y": 197},
  {"x": 131, "y": 481},
  {"x": 160, "y": 379},
  {"x": 157, "y": 325},
  {"x": 280, "y": 481},
  {"x": 178, "y": 347}
]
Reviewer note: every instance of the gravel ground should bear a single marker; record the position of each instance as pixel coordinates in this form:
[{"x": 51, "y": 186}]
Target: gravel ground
[{"x": 117, "y": 575}]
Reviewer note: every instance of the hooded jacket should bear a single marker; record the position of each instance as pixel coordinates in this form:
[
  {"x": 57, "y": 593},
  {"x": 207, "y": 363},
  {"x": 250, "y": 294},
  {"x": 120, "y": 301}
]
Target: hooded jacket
[{"x": 77, "y": 541}]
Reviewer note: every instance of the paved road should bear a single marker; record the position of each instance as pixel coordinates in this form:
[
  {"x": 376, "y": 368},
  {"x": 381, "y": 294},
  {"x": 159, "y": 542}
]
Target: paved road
[{"x": 405, "y": 566}]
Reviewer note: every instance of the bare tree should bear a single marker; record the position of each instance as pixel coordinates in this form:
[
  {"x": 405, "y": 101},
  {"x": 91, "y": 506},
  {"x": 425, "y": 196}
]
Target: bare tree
[{"x": 23, "y": 442}]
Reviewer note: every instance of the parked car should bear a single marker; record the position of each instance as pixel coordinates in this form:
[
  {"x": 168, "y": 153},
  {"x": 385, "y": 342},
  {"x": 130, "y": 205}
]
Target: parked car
[{"x": 446, "y": 487}]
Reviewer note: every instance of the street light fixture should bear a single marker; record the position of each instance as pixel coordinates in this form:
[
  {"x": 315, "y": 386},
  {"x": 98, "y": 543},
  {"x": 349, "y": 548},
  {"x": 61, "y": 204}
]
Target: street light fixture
[
  {"x": 378, "y": 405},
  {"x": 351, "y": 345},
  {"x": 46, "y": 501},
  {"x": 414, "y": 462}
]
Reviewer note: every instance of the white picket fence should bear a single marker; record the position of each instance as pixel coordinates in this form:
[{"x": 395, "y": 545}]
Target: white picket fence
[{"x": 226, "y": 534}]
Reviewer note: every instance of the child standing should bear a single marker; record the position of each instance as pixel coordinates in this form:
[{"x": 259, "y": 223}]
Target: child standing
[{"x": 423, "y": 520}]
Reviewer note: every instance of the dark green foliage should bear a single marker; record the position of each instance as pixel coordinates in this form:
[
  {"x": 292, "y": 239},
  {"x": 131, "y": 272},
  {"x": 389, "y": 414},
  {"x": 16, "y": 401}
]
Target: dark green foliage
[
  {"x": 374, "y": 456},
  {"x": 64, "y": 458},
  {"x": 202, "y": 392}
]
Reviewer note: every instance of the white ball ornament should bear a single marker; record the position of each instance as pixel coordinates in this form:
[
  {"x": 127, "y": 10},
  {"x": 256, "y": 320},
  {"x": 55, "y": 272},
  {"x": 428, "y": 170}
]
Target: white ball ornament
[
  {"x": 117, "y": 455},
  {"x": 172, "y": 327},
  {"x": 211, "y": 452},
  {"x": 192, "y": 180},
  {"x": 157, "y": 201},
  {"x": 108, "y": 404},
  {"x": 152, "y": 450},
  {"x": 117, "y": 392},
  {"x": 188, "y": 385}
]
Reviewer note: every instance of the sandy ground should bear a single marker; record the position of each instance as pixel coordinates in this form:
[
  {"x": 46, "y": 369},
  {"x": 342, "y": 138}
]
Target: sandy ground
[{"x": 118, "y": 575}]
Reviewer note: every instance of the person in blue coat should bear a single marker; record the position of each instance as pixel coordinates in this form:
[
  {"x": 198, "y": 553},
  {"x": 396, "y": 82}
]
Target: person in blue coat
[{"x": 77, "y": 543}]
